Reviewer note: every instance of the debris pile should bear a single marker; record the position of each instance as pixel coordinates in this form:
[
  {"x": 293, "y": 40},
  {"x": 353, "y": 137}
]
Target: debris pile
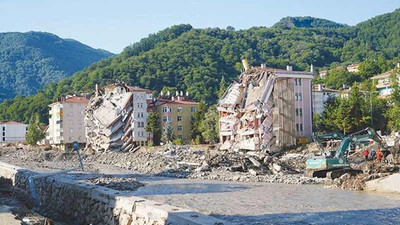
[
  {"x": 108, "y": 121},
  {"x": 116, "y": 183}
]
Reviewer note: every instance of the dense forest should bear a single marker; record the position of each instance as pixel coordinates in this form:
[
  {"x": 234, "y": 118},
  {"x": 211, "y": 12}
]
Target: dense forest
[
  {"x": 29, "y": 61},
  {"x": 197, "y": 60},
  {"x": 307, "y": 22}
]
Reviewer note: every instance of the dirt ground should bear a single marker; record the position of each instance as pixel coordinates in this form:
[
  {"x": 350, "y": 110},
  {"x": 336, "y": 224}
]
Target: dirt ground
[{"x": 239, "y": 200}]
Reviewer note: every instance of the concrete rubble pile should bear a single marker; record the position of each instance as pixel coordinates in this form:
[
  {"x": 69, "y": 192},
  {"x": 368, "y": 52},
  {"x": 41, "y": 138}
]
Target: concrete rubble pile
[
  {"x": 108, "y": 121},
  {"x": 246, "y": 110}
]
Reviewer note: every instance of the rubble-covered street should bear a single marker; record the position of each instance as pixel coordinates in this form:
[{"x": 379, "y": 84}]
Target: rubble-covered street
[{"x": 251, "y": 202}]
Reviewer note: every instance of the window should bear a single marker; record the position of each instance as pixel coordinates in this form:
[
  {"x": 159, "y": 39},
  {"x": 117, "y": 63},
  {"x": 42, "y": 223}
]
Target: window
[
  {"x": 301, "y": 112},
  {"x": 167, "y": 118},
  {"x": 179, "y": 109},
  {"x": 180, "y": 128},
  {"x": 4, "y": 138},
  {"x": 297, "y": 111},
  {"x": 297, "y": 127},
  {"x": 301, "y": 127},
  {"x": 300, "y": 97},
  {"x": 296, "y": 96},
  {"x": 179, "y": 118},
  {"x": 299, "y": 82},
  {"x": 167, "y": 109},
  {"x": 295, "y": 81},
  {"x": 180, "y": 137},
  {"x": 140, "y": 124},
  {"x": 4, "y": 128},
  {"x": 193, "y": 109}
]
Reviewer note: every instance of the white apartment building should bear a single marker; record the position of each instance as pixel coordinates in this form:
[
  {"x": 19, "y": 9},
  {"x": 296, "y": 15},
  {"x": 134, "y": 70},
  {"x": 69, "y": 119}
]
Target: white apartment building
[
  {"x": 320, "y": 96},
  {"x": 140, "y": 100},
  {"x": 12, "y": 131},
  {"x": 66, "y": 122}
]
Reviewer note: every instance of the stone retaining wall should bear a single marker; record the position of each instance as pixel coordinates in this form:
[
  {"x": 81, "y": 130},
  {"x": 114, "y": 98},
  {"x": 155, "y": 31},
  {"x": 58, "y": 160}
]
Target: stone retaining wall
[{"x": 90, "y": 204}]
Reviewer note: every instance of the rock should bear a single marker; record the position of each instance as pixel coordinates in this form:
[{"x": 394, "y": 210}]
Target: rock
[
  {"x": 266, "y": 159},
  {"x": 255, "y": 162},
  {"x": 276, "y": 167},
  {"x": 252, "y": 172}
]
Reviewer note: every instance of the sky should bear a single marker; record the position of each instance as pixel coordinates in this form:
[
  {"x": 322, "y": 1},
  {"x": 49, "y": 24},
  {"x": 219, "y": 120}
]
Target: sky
[{"x": 113, "y": 25}]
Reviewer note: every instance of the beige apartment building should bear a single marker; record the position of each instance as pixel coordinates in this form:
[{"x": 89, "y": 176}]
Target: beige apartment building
[
  {"x": 178, "y": 113},
  {"x": 66, "y": 122}
]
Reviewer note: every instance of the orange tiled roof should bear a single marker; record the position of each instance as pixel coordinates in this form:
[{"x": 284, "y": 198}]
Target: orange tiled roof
[
  {"x": 177, "y": 102},
  {"x": 76, "y": 99}
]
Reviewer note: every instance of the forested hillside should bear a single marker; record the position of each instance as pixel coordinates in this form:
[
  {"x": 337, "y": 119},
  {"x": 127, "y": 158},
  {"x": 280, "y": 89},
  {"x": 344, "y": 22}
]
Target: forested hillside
[
  {"x": 307, "y": 22},
  {"x": 197, "y": 59},
  {"x": 28, "y": 61}
]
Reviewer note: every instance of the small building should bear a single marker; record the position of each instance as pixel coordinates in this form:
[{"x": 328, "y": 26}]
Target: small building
[
  {"x": 177, "y": 112},
  {"x": 12, "y": 131},
  {"x": 266, "y": 108},
  {"x": 383, "y": 83},
  {"x": 66, "y": 122},
  {"x": 321, "y": 95},
  {"x": 353, "y": 68},
  {"x": 323, "y": 73}
]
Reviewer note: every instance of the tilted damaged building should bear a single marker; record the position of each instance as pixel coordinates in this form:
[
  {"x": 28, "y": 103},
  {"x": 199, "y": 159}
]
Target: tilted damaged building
[
  {"x": 266, "y": 108},
  {"x": 116, "y": 118}
]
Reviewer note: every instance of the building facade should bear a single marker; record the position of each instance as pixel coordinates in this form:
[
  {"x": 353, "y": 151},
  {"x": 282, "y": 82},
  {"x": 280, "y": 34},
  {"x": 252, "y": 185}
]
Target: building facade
[
  {"x": 323, "y": 73},
  {"x": 66, "y": 122},
  {"x": 266, "y": 108},
  {"x": 12, "y": 131},
  {"x": 320, "y": 95},
  {"x": 178, "y": 113},
  {"x": 140, "y": 101},
  {"x": 384, "y": 84},
  {"x": 353, "y": 68}
]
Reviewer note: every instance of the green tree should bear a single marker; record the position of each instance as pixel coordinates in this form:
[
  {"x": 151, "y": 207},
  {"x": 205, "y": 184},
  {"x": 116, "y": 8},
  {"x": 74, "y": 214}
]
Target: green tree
[
  {"x": 359, "y": 109},
  {"x": 34, "y": 133},
  {"x": 167, "y": 134},
  {"x": 222, "y": 87},
  {"x": 394, "y": 102},
  {"x": 209, "y": 126},
  {"x": 154, "y": 126},
  {"x": 337, "y": 77},
  {"x": 199, "y": 116},
  {"x": 368, "y": 68}
]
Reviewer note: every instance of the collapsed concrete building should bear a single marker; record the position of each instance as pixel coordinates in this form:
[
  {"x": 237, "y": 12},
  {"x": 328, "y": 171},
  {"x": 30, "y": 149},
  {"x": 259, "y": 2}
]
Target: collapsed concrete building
[
  {"x": 116, "y": 118},
  {"x": 266, "y": 108}
]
